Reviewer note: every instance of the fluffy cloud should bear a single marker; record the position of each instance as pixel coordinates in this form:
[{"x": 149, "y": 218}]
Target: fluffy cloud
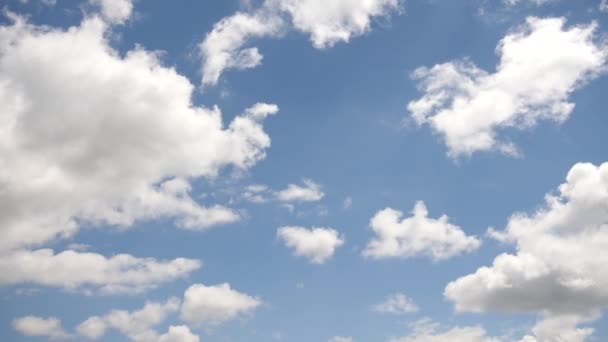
[
  {"x": 541, "y": 64},
  {"x": 139, "y": 325},
  {"x": 425, "y": 331},
  {"x": 213, "y": 305},
  {"x": 179, "y": 334},
  {"x": 256, "y": 193},
  {"x": 558, "y": 269},
  {"x": 202, "y": 304},
  {"x": 417, "y": 235},
  {"x": 115, "y": 11},
  {"x": 336, "y": 21},
  {"x": 91, "y": 272},
  {"x": 40, "y": 327},
  {"x": 222, "y": 48},
  {"x": 559, "y": 266},
  {"x": 309, "y": 192},
  {"x": 89, "y": 136},
  {"x": 554, "y": 329},
  {"x": 93, "y": 328},
  {"x": 603, "y": 7},
  {"x": 559, "y": 328},
  {"x": 456, "y": 334},
  {"x": 316, "y": 244},
  {"x": 327, "y": 23},
  {"x": 397, "y": 303}
]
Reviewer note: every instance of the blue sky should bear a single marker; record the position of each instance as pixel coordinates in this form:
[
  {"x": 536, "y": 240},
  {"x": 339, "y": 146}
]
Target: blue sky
[{"x": 263, "y": 228}]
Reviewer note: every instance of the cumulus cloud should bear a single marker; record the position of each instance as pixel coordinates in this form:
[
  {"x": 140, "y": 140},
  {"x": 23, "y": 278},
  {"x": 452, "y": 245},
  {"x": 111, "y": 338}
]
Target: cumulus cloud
[
  {"x": 554, "y": 329},
  {"x": 202, "y": 304},
  {"x": 210, "y": 305},
  {"x": 73, "y": 270},
  {"x": 425, "y": 330},
  {"x": 256, "y": 193},
  {"x": 92, "y": 328},
  {"x": 138, "y": 325},
  {"x": 40, "y": 327},
  {"x": 327, "y": 23},
  {"x": 115, "y": 11},
  {"x": 559, "y": 266},
  {"x": 559, "y": 328},
  {"x": 89, "y": 136},
  {"x": 541, "y": 64},
  {"x": 558, "y": 269},
  {"x": 418, "y": 235},
  {"x": 316, "y": 244},
  {"x": 308, "y": 192},
  {"x": 603, "y": 7},
  {"x": 213, "y": 305},
  {"x": 222, "y": 48},
  {"x": 397, "y": 303},
  {"x": 179, "y": 333}
]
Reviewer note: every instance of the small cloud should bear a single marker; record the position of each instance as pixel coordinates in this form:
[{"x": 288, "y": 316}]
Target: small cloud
[
  {"x": 308, "y": 192},
  {"x": 40, "y": 327},
  {"x": 417, "y": 235},
  {"x": 397, "y": 304},
  {"x": 316, "y": 244}
]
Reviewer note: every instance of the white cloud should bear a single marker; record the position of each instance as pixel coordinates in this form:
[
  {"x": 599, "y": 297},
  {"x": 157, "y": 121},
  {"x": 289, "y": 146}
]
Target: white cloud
[
  {"x": 330, "y": 22},
  {"x": 309, "y": 192},
  {"x": 213, "y": 305},
  {"x": 256, "y": 193},
  {"x": 179, "y": 334},
  {"x": 416, "y": 236},
  {"x": 91, "y": 272},
  {"x": 316, "y": 244},
  {"x": 40, "y": 327},
  {"x": 222, "y": 48},
  {"x": 327, "y": 23},
  {"x": 341, "y": 339},
  {"x": 560, "y": 263},
  {"x": 425, "y": 330},
  {"x": 603, "y": 6},
  {"x": 92, "y": 328},
  {"x": 397, "y": 303},
  {"x": 137, "y": 325},
  {"x": 88, "y": 136},
  {"x": 541, "y": 64},
  {"x": 115, "y": 11},
  {"x": 535, "y": 2},
  {"x": 558, "y": 329}
]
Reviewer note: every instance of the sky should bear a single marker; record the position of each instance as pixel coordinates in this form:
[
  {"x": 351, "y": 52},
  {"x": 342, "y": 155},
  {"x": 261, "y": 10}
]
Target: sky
[{"x": 303, "y": 170}]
